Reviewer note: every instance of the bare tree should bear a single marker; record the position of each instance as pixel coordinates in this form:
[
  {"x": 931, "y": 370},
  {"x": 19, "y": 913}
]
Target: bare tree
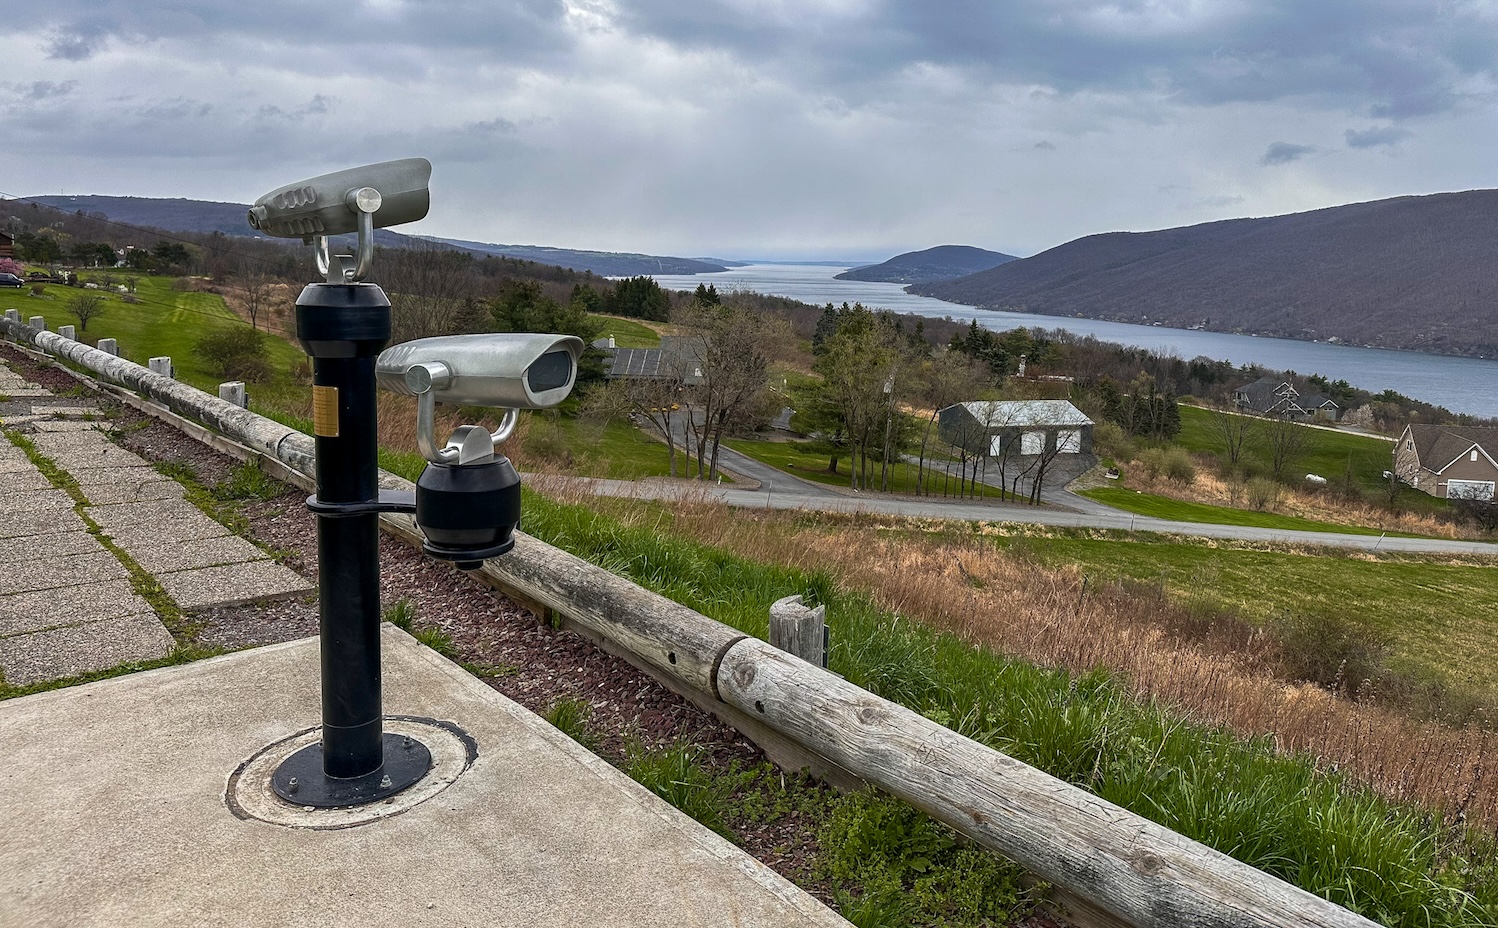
[
  {"x": 86, "y": 306},
  {"x": 1284, "y": 443},
  {"x": 255, "y": 290},
  {"x": 725, "y": 364},
  {"x": 656, "y": 400},
  {"x": 432, "y": 291},
  {"x": 1234, "y": 432},
  {"x": 951, "y": 377}
]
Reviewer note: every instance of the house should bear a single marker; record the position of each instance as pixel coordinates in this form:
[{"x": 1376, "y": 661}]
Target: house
[
  {"x": 1270, "y": 396},
  {"x": 1450, "y": 461},
  {"x": 675, "y": 359},
  {"x": 1016, "y": 428},
  {"x": 7, "y": 246}
]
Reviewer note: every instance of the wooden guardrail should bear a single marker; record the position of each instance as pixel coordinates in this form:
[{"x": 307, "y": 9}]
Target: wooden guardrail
[{"x": 1116, "y": 867}]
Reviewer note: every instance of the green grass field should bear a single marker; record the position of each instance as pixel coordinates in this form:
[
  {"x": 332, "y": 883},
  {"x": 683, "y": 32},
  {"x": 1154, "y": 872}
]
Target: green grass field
[
  {"x": 165, "y": 322},
  {"x": 1442, "y": 619},
  {"x": 801, "y": 459},
  {"x": 1163, "y": 507},
  {"x": 627, "y": 332}
]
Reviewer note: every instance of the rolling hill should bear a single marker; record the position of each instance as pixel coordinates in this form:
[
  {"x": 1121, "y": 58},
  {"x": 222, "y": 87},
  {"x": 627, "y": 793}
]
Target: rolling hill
[
  {"x": 204, "y": 216},
  {"x": 1410, "y": 272},
  {"x": 944, "y": 262}
]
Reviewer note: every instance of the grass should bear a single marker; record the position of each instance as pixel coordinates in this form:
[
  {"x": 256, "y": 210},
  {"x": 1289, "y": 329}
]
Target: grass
[
  {"x": 1163, "y": 507},
  {"x": 628, "y": 333},
  {"x": 1441, "y": 618},
  {"x": 803, "y": 459},
  {"x": 165, "y": 322},
  {"x": 1322, "y": 830}
]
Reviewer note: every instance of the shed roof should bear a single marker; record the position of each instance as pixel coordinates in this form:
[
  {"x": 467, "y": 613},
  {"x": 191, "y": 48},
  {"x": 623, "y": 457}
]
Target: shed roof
[{"x": 1021, "y": 413}]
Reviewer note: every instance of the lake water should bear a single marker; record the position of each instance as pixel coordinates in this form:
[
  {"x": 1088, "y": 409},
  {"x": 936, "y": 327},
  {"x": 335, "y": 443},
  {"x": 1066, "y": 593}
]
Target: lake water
[{"x": 1465, "y": 385}]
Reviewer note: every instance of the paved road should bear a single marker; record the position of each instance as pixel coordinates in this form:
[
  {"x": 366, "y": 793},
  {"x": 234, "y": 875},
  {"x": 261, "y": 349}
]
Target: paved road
[{"x": 980, "y": 511}]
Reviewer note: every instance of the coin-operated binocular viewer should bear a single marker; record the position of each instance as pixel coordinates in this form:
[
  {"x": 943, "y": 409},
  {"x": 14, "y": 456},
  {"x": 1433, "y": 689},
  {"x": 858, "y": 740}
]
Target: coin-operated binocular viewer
[{"x": 467, "y": 502}]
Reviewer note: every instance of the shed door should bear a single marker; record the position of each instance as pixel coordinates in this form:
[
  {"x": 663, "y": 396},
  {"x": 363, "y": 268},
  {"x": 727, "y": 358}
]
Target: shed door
[
  {"x": 995, "y": 446},
  {"x": 1032, "y": 443},
  {"x": 1469, "y": 489},
  {"x": 1069, "y": 441}
]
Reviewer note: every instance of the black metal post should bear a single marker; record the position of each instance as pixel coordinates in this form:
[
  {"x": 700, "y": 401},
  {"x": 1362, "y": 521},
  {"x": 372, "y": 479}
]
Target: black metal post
[{"x": 343, "y": 327}]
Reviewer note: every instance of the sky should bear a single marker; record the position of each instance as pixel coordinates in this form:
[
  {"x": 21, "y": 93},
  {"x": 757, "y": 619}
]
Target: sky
[{"x": 793, "y": 129}]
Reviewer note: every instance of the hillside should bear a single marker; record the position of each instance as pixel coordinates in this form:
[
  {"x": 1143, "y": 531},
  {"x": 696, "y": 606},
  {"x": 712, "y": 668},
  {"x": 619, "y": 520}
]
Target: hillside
[
  {"x": 944, "y": 262},
  {"x": 1409, "y": 272},
  {"x": 204, "y": 216},
  {"x": 606, "y": 263}
]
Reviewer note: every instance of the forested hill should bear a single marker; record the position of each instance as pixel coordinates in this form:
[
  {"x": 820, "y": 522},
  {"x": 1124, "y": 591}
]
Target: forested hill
[
  {"x": 944, "y": 262},
  {"x": 606, "y": 263},
  {"x": 203, "y": 216},
  {"x": 1410, "y": 272}
]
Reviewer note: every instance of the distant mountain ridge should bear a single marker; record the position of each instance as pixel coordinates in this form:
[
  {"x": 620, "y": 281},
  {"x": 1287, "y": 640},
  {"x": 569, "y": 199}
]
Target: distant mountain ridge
[
  {"x": 606, "y": 263},
  {"x": 944, "y": 262},
  {"x": 203, "y": 216},
  {"x": 1409, "y": 272}
]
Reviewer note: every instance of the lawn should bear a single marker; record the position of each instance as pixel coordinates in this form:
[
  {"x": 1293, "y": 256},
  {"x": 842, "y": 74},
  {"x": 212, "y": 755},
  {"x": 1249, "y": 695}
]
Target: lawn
[
  {"x": 1163, "y": 507},
  {"x": 165, "y": 322},
  {"x": 628, "y": 333},
  {"x": 1441, "y": 618},
  {"x": 803, "y": 460}
]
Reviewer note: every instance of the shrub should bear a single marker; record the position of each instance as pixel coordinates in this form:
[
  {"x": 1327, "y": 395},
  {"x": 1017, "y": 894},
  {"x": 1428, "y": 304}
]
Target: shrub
[
  {"x": 237, "y": 352},
  {"x": 1178, "y": 466},
  {"x": 1262, "y": 493},
  {"x": 1479, "y": 513},
  {"x": 1152, "y": 463},
  {"x": 1330, "y": 651},
  {"x": 1110, "y": 441}
]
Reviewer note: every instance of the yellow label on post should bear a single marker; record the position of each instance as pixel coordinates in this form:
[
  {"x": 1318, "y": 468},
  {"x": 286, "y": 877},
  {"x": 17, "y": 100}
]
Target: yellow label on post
[{"x": 325, "y": 412}]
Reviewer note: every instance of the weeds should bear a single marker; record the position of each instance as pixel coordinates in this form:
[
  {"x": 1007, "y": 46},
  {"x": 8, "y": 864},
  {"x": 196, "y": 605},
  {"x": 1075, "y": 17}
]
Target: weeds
[
  {"x": 569, "y": 715},
  {"x": 675, "y": 775}
]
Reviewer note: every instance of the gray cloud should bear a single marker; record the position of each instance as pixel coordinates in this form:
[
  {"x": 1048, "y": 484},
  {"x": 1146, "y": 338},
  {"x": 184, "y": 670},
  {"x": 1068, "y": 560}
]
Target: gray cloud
[
  {"x": 1399, "y": 59},
  {"x": 1284, "y": 153},
  {"x": 1375, "y": 136},
  {"x": 42, "y": 90},
  {"x": 77, "y": 42}
]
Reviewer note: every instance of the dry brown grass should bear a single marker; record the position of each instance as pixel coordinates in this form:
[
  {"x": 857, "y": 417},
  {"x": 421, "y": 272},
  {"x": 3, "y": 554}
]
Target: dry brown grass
[
  {"x": 1212, "y": 669},
  {"x": 1323, "y": 506}
]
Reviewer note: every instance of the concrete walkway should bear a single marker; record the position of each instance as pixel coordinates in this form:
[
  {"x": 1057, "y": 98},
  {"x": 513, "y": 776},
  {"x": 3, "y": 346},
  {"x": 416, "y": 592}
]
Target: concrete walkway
[{"x": 85, "y": 528}]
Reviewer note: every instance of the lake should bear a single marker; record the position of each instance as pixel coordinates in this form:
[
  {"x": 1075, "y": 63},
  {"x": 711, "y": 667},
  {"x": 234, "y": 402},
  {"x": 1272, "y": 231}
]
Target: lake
[{"x": 1466, "y": 385}]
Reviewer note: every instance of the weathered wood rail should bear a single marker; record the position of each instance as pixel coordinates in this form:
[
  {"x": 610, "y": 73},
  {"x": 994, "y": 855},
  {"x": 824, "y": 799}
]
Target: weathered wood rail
[{"x": 1113, "y": 866}]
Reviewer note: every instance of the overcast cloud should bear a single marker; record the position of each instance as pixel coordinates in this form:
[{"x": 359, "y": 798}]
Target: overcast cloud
[{"x": 753, "y": 128}]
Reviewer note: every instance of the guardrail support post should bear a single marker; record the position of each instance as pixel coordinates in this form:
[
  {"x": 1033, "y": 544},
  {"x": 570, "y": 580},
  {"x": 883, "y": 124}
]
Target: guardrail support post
[
  {"x": 798, "y": 630},
  {"x": 109, "y": 345},
  {"x": 38, "y": 322},
  {"x": 162, "y": 366},
  {"x": 68, "y": 332},
  {"x": 234, "y": 392}
]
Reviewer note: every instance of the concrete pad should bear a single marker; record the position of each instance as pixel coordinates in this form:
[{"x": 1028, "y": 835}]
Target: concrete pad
[
  {"x": 232, "y": 584},
  {"x": 27, "y": 480},
  {"x": 146, "y": 490},
  {"x": 68, "y": 570},
  {"x": 35, "y": 501},
  {"x": 196, "y": 554},
  {"x": 62, "y": 425},
  {"x": 65, "y": 408},
  {"x": 73, "y": 605},
  {"x": 114, "y": 814},
  {"x": 24, "y": 391},
  {"x": 40, "y": 522},
  {"x": 146, "y": 524},
  {"x": 53, "y": 545},
  {"x": 119, "y": 472},
  {"x": 75, "y": 649}
]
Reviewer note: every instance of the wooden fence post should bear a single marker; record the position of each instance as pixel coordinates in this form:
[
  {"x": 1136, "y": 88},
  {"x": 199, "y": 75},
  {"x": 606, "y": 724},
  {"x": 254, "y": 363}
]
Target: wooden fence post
[{"x": 798, "y": 630}]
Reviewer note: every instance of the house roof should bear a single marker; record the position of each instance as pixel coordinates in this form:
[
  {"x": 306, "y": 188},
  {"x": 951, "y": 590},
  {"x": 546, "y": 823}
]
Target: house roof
[
  {"x": 1440, "y": 446},
  {"x": 1266, "y": 393},
  {"x": 1315, "y": 401},
  {"x": 1020, "y": 413},
  {"x": 675, "y": 358}
]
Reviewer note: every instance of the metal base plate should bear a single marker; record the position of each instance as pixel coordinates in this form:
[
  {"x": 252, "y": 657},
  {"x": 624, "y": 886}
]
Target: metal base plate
[{"x": 300, "y": 778}]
